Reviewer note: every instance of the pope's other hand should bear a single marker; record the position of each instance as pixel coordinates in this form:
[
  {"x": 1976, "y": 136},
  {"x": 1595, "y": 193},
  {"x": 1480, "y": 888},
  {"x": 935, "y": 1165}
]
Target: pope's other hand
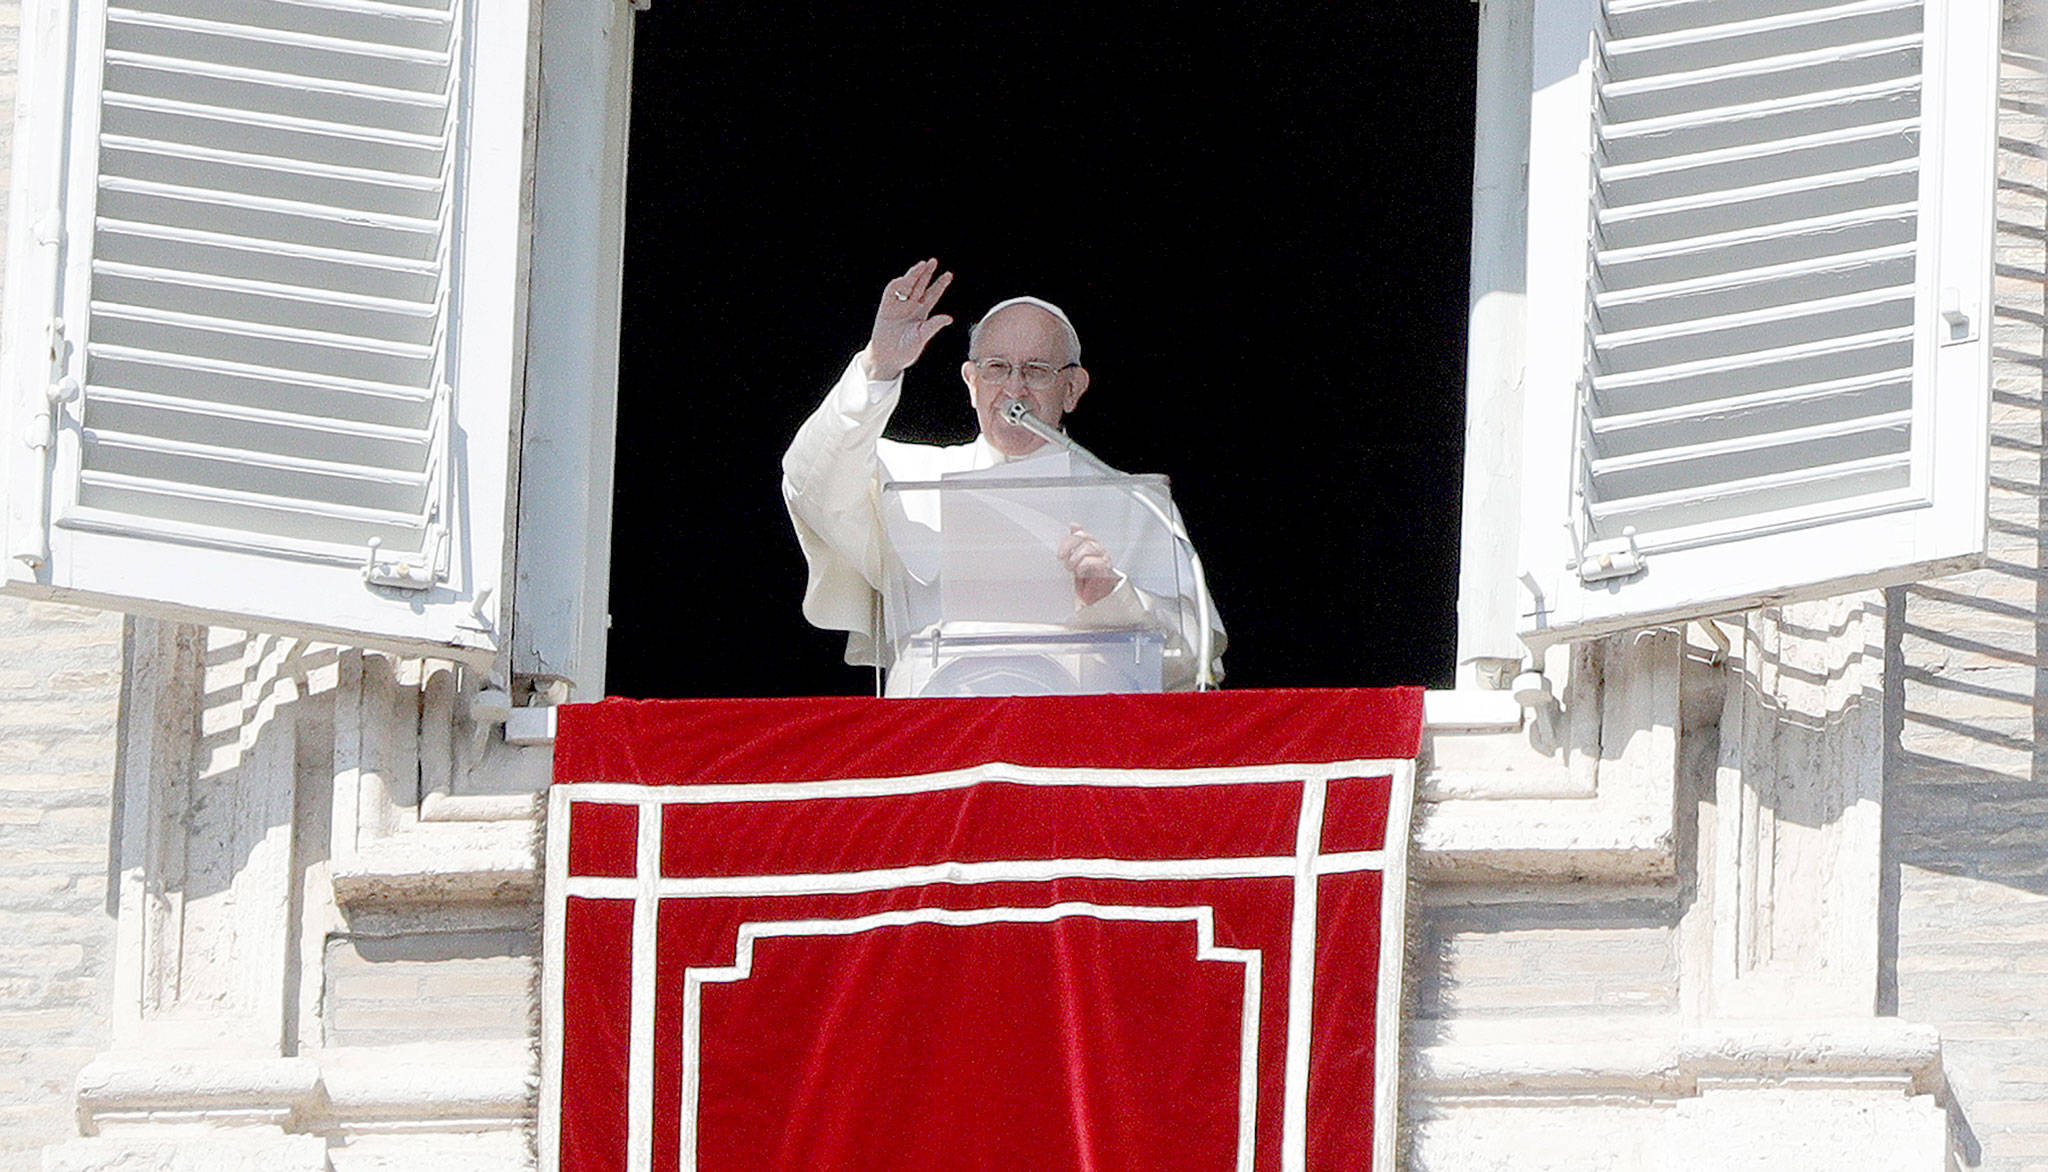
[{"x": 1095, "y": 575}]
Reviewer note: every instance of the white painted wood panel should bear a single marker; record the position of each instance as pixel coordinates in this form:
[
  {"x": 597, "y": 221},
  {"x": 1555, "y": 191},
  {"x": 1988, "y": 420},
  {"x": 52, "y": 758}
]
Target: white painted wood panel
[
  {"x": 1759, "y": 245},
  {"x": 274, "y": 375}
]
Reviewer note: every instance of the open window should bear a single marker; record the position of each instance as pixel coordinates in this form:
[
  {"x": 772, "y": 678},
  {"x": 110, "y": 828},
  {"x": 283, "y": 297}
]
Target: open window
[
  {"x": 265, "y": 310},
  {"x": 1759, "y": 271},
  {"x": 273, "y": 269}
]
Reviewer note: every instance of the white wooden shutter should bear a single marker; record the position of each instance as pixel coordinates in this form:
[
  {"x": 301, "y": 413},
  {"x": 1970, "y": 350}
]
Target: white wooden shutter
[
  {"x": 262, "y": 307},
  {"x": 1760, "y": 260}
]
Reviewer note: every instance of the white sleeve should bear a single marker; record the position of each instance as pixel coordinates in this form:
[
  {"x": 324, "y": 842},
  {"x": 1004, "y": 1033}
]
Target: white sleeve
[
  {"x": 1177, "y": 618},
  {"x": 828, "y": 484}
]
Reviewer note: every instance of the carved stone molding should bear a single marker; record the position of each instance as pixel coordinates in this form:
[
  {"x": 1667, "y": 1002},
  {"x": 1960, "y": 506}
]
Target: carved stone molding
[
  {"x": 265, "y": 783},
  {"x": 208, "y": 837},
  {"x": 241, "y": 1112},
  {"x": 1531, "y": 1059},
  {"x": 1786, "y": 919},
  {"x": 430, "y": 804},
  {"x": 1585, "y": 792},
  {"x": 1821, "y": 1095}
]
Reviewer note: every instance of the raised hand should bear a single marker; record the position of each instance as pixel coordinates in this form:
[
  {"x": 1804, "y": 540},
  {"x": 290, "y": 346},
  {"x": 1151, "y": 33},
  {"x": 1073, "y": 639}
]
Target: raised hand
[
  {"x": 904, "y": 321},
  {"x": 1095, "y": 575}
]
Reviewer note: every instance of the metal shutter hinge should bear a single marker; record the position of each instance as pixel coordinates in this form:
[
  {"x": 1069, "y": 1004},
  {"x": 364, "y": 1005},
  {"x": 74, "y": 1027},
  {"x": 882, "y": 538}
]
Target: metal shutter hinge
[
  {"x": 42, "y": 426},
  {"x": 400, "y": 575},
  {"x": 40, "y": 435},
  {"x": 62, "y": 389},
  {"x": 1603, "y": 561}
]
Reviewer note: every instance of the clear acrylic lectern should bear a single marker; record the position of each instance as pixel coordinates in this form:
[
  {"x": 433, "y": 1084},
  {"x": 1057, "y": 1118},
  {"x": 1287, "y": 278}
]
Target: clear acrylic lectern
[{"x": 976, "y": 600}]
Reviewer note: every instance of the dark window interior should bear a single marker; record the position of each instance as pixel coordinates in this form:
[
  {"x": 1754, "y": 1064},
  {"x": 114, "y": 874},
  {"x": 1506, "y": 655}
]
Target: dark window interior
[{"x": 1258, "y": 217}]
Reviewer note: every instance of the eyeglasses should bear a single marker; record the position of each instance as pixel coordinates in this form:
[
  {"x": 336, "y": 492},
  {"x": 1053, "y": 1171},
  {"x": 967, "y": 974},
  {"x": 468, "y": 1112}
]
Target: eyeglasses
[{"x": 1038, "y": 376}]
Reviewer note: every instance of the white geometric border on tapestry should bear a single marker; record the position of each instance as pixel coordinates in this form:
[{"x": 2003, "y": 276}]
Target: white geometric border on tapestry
[{"x": 647, "y": 888}]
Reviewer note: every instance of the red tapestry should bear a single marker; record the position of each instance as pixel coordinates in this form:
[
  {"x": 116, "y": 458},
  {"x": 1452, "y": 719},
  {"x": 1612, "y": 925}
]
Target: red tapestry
[{"x": 1100, "y": 933}]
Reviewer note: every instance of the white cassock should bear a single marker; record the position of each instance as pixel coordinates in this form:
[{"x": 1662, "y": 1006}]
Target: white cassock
[{"x": 831, "y": 481}]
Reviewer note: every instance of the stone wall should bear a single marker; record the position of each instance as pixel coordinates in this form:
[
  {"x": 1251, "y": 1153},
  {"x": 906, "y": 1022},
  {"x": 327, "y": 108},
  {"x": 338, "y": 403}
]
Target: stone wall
[
  {"x": 60, "y": 679},
  {"x": 1521, "y": 952},
  {"x": 390, "y": 979},
  {"x": 1966, "y": 818}
]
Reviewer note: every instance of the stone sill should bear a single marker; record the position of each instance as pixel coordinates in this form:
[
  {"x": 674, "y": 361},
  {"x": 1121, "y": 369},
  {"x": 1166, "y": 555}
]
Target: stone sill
[
  {"x": 464, "y": 1086},
  {"x": 1568, "y": 1058},
  {"x": 441, "y": 865}
]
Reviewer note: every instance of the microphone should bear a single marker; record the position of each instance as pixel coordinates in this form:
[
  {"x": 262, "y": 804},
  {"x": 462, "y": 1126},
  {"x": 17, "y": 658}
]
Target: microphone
[{"x": 1018, "y": 413}]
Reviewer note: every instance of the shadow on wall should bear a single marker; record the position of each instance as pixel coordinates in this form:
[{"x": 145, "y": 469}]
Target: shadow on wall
[
  {"x": 216, "y": 713},
  {"x": 1966, "y": 703},
  {"x": 1967, "y": 656},
  {"x": 239, "y": 751}
]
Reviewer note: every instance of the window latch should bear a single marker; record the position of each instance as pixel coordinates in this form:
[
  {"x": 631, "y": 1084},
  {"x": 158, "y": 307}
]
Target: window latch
[{"x": 1961, "y": 321}]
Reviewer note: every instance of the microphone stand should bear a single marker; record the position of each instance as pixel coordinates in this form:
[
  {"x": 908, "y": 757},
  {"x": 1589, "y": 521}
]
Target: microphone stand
[{"x": 1018, "y": 413}]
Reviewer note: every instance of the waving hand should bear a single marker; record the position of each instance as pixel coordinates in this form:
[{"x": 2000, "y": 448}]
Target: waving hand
[{"x": 904, "y": 322}]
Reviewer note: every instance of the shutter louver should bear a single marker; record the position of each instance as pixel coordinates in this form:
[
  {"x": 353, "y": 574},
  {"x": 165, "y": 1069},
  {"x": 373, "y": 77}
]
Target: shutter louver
[
  {"x": 267, "y": 357},
  {"x": 1751, "y": 351},
  {"x": 265, "y": 314},
  {"x": 1778, "y": 384}
]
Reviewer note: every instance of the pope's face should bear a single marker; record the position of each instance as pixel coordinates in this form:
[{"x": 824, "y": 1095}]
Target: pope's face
[{"x": 1021, "y": 335}]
